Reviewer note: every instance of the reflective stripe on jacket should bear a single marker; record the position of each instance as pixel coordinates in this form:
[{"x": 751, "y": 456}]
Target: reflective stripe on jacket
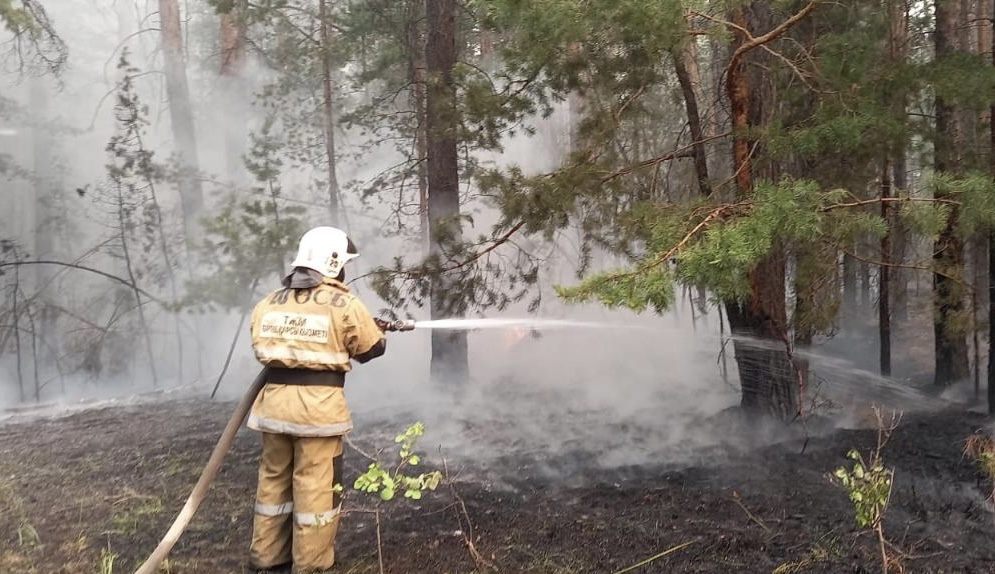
[{"x": 321, "y": 328}]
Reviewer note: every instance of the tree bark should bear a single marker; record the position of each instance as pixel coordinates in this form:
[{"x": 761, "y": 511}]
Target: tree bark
[
  {"x": 991, "y": 307},
  {"x": 897, "y": 34},
  {"x": 234, "y": 89},
  {"x": 738, "y": 92},
  {"x": 181, "y": 116},
  {"x": 884, "y": 289},
  {"x": 865, "y": 286},
  {"x": 951, "y": 361},
  {"x": 770, "y": 380},
  {"x": 335, "y": 215},
  {"x": 849, "y": 288},
  {"x": 486, "y": 46},
  {"x": 899, "y": 245},
  {"x": 991, "y": 259},
  {"x": 898, "y": 277},
  {"x": 449, "y": 349},
  {"x": 801, "y": 318},
  {"x": 694, "y": 122},
  {"x": 421, "y": 149}
]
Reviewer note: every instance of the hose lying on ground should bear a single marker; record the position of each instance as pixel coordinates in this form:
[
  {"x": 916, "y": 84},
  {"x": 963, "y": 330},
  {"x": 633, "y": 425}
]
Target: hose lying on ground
[{"x": 199, "y": 491}]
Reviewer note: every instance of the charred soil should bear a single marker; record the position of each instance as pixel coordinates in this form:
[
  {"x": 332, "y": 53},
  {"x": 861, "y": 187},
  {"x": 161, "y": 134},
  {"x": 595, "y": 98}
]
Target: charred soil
[{"x": 95, "y": 490}]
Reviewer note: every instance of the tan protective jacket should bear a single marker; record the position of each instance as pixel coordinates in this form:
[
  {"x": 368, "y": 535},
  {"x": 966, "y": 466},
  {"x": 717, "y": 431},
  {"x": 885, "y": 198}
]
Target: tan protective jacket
[{"x": 320, "y": 329}]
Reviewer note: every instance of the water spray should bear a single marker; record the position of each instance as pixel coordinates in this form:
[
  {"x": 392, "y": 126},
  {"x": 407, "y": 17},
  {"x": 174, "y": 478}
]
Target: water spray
[{"x": 486, "y": 323}]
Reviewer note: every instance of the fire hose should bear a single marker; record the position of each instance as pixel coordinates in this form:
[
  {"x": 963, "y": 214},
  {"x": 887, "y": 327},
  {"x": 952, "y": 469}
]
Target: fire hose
[{"x": 210, "y": 472}]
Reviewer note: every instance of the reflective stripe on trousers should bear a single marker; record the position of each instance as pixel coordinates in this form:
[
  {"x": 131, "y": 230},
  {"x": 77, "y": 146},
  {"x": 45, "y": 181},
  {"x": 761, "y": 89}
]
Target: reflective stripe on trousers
[
  {"x": 315, "y": 518},
  {"x": 302, "y": 470},
  {"x": 283, "y": 427},
  {"x": 274, "y": 509}
]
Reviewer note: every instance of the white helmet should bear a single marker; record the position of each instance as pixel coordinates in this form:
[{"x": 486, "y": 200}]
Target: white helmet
[{"x": 326, "y": 250}]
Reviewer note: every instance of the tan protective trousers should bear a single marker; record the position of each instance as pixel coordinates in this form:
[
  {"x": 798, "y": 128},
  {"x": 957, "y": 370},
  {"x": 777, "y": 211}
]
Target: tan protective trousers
[{"x": 297, "y": 510}]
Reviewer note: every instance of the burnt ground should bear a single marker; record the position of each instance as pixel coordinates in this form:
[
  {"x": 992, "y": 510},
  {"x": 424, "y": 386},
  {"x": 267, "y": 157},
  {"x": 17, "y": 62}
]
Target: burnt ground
[{"x": 83, "y": 489}]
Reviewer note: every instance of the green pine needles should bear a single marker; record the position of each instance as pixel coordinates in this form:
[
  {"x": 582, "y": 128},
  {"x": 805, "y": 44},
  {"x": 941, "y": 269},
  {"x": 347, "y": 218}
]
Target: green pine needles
[{"x": 717, "y": 245}]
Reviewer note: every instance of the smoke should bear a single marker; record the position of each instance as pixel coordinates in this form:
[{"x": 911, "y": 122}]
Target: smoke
[{"x": 554, "y": 401}]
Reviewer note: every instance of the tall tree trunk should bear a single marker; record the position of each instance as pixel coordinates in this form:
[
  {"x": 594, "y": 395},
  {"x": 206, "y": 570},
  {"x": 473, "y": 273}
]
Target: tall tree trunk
[
  {"x": 449, "y": 349},
  {"x": 769, "y": 378},
  {"x": 802, "y": 315},
  {"x": 181, "y": 116},
  {"x": 849, "y": 289},
  {"x": 46, "y": 187},
  {"x": 416, "y": 75},
  {"x": 694, "y": 121},
  {"x": 865, "y": 286},
  {"x": 421, "y": 150},
  {"x": 991, "y": 259},
  {"x": 899, "y": 245},
  {"x": 978, "y": 254},
  {"x": 234, "y": 89},
  {"x": 770, "y": 381},
  {"x": 884, "y": 284},
  {"x": 16, "y": 329},
  {"x": 575, "y": 99},
  {"x": 976, "y": 18},
  {"x": 952, "y": 362},
  {"x": 738, "y": 92},
  {"x": 898, "y": 23},
  {"x": 486, "y": 47},
  {"x": 899, "y": 278},
  {"x": 335, "y": 215},
  {"x": 991, "y": 307},
  {"x": 133, "y": 280}
]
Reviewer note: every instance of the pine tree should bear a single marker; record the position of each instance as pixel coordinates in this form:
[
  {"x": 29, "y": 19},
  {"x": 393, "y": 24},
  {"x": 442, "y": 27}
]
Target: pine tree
[
  {"x": 951, "y": 344},
  {"x": 181, "y": 115},
  {"x": 449, "y": 350}
]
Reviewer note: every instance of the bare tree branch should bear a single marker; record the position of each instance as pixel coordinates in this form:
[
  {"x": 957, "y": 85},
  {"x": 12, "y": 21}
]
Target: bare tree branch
[
  {"x": 678, "y": 153},
  {"x": 105, "y": 274}
]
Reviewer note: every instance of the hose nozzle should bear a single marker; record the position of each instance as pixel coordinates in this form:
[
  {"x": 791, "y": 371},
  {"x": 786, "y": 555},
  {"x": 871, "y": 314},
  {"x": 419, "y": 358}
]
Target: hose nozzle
[{"x": 398, "y": 325}]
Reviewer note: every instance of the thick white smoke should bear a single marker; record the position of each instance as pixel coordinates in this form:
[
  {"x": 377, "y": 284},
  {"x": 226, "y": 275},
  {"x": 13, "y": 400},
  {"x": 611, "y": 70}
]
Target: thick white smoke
[{"x": 631, "y": 395}]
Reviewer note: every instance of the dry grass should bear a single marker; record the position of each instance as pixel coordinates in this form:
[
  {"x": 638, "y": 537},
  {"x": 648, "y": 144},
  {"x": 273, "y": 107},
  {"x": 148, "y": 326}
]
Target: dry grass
[{"x": 980, "y": 448}]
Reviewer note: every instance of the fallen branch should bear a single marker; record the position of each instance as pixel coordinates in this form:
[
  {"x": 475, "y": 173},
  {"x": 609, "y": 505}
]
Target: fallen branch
[
  {"x": 482, "y": 563},
  {"x": 353, "y": 446},
  {"x": 666, "y": 552},
  {"x": 753, "y": 517}
]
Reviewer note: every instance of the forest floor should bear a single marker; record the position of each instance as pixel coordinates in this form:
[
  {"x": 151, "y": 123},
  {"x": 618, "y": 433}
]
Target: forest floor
[{"x": 93, "y": 491}]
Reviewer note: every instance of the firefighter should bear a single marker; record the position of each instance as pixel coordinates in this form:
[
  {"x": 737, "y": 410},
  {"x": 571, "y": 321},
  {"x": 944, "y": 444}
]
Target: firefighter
[{"x": 308, "y": 333}]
